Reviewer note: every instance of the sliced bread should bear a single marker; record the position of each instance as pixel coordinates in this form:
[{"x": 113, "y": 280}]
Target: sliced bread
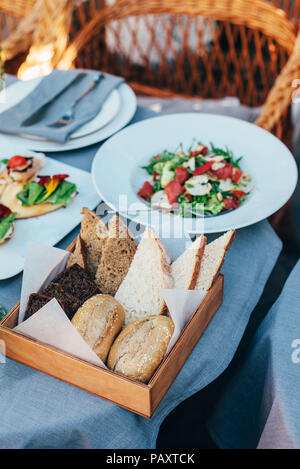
[
  {"x": 213, "y": 259},
  {"x": 117, "y": 255},
  {"x": 35, "y": 302},
  {"x": 77, "y": 282},
  {"x": 54, "y": 290},
  {"x": 93, "y": 233},
  {"x": 149, "y": 272},
  {"x": 185, "y": 269},
  {"x": 79, "y": 255}
]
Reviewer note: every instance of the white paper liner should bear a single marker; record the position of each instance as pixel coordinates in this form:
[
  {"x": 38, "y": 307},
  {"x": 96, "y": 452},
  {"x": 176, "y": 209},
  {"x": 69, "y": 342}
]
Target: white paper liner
[
  {"x": 51, "y": 325},
  {"x": 182, "y": 304}
]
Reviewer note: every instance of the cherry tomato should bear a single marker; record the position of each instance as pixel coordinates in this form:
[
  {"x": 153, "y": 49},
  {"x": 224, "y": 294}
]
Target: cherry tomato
[
  {"x": 231, "y": 203},
  {"x": 236, "y": 175},
  {"x": 173, "y": 190},
  {"x": 4, "y": 211},
  {"x": 224, "y": 173},
  {"x": 202, "y": 169},
  {"x": 146, "y": 191},
  {"x": 181, "y": 174},
  {"x": 16, "y": 161}
]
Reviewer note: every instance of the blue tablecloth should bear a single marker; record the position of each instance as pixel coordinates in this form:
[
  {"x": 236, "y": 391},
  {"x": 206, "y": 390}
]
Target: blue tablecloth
[
  {"x": 260, "y": 405},
  {"x": 37, "y": 411}
]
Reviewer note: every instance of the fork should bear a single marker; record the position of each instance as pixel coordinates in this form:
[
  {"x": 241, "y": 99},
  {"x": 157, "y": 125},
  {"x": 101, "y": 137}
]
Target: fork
[{"x": 68, "y": 117}]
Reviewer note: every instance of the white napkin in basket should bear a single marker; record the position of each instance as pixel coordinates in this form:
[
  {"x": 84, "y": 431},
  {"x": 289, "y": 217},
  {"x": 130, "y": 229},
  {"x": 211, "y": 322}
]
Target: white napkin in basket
[
  {"x": 51, "y": 325},
  {"x": 182, "y": 304},
  {"x": 42, "y": 264}
]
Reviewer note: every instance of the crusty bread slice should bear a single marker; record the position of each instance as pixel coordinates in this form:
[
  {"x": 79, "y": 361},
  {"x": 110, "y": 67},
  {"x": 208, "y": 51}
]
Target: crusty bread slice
[
  {"x": 9, "y": 199},
  {"x": 185, "y": 269},
  {"x": 94, "y": 234},
  {"x": 117, "y": 255},
  {"x": 213, "y": 259},
  {"x": 149, "y": 272},
  {"x": 79, "y": 255}
]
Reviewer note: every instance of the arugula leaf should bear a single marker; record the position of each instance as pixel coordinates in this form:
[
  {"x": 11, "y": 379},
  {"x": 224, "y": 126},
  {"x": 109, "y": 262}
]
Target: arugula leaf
[
  {"x": 34, "y": 193},
  {"x": 6, "y": 223},
  {"x": 149, "y": 168},
  {"x": 62, "y": 194},
  {"x": 228, "y": 155},
  {"x": 31, "y": 194}
]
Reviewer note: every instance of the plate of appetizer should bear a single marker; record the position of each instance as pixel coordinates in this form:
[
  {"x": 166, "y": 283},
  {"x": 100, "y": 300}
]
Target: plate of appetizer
[
  {"x": 198, "y": 172},
  {"x": 40, "y": 199}
]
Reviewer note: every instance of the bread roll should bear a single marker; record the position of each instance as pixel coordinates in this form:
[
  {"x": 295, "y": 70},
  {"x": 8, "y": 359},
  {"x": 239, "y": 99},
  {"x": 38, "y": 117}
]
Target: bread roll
[
  {"x": 98, "y": 321},
  {"x": 140, "y": 347}
]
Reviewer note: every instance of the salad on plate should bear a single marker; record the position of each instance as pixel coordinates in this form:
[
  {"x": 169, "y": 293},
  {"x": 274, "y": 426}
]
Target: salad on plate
[{"x": 200, "y": 181}]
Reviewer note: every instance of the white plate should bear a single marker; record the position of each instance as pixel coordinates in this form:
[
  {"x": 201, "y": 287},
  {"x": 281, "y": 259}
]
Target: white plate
[
  {"x": 116, "y": 168},
  {"x": 52, "y": 227},
  {"x": 124, "y": 115},
  {"x": 19, "y": 90}
]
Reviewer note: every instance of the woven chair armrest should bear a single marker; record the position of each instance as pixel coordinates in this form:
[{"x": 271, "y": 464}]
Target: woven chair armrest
[
  {"x": 280, "y": 96},
  {"x": 22, "y": 38}
]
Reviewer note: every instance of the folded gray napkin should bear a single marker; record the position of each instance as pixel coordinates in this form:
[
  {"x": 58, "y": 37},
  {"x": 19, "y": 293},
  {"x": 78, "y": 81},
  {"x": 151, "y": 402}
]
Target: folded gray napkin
[{"x": 55, "y": 95}]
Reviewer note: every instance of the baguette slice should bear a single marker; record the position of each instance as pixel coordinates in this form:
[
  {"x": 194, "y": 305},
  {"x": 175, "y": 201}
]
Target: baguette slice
[
  {"x": 94, "y": 234},
  {"x": 185, "y": 270},
  {"x": 213, "y": 259},
  {"x": 117, "y": 255},
  {"x": 149, "y": 272},
  {"x": 79, "y": 255}
]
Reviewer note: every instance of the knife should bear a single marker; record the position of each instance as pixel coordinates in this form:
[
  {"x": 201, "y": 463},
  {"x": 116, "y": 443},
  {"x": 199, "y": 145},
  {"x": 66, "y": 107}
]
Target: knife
[{"x": 39, "y": 113}]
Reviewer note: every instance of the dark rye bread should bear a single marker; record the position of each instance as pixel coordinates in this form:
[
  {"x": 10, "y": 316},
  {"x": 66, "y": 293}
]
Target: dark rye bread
[
  {"x": 35, "y": 302},
  {"x": 77, "y": 282},
  {"x": 55, "y": 290}
]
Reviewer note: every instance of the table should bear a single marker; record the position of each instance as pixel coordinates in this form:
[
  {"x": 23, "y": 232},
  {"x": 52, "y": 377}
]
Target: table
[
  {"x": 38, "y": 411},
  {"x": 260, "y": 405},
  {"x": 82, "y": 158}
]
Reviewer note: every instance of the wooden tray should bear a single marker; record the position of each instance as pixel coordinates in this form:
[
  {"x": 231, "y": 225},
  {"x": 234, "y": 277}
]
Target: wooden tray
[{"x": 140, "y": 398}]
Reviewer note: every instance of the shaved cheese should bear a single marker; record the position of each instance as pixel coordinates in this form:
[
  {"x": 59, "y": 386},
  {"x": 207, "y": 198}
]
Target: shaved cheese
[{"x": 226, "y": 185}]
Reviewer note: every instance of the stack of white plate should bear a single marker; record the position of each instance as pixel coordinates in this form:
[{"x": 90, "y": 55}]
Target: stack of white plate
[{"x": 117, "y": 111}]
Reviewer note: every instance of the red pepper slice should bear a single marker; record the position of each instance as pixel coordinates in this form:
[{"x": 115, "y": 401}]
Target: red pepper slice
[
  {"x": 173, "y": 190},
  {"x": 60, "y": 177},
  {"x": 236, "y": 174},
  {"x": 181, "y": 174},
  {"x": 16, "y": 161},
  {"x": 4, "y": 211},
  {"x": 238, "y": 194},
  {"x": 146, "y": 191},
  {"x": 43, "y": 180},
  {"x": 202, "y": 169}
]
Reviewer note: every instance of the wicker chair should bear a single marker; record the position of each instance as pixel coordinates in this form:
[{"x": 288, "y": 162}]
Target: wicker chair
[{"x": 200, "y": 48}]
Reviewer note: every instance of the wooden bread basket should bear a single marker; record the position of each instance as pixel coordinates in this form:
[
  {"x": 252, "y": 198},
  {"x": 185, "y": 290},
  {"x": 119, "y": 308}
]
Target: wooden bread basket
[{"x": 140, "y": 398}]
